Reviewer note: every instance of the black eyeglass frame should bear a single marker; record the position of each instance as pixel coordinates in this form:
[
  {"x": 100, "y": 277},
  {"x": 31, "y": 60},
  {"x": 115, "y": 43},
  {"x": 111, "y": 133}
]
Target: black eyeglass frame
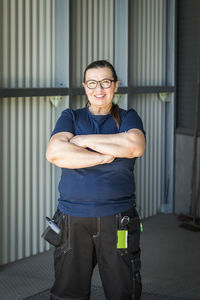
[{"x": 99, "y": 81}]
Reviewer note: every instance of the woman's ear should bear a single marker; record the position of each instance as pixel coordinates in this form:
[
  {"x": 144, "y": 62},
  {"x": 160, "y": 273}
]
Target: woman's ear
[
  {"x": 84, "y": 85},
  {"x": 116, "y": 85}
]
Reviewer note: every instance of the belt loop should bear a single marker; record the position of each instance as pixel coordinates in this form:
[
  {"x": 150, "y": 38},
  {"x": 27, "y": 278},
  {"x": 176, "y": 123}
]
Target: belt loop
[
  {"x": 98, "y": 219},
  {"x": 118, "y": 220}
]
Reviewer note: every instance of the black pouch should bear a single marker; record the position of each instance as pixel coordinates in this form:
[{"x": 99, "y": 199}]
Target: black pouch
[{"x": 49, "y": 234}]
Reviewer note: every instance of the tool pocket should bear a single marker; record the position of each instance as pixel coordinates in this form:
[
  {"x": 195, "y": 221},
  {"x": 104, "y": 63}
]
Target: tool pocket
[
  {"x": 49, "y": 234},
  {"x": 134, "y": 235},
  {"x": 65, "y": 240},
  {"x": 133, "y": 228}
]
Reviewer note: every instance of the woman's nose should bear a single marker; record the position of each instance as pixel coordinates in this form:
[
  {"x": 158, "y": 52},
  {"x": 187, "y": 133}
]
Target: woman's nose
[{"x": 99, "y": 86}]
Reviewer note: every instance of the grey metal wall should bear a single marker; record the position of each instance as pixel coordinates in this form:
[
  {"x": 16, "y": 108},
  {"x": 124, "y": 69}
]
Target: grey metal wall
[
  {"x": 149, "y": 172},
  {"x": 147, "y": 42},
  {"x": 92, "y": 34},
  {"x": 28, "y": 43},
  {"x": 27, "y": 182},
  {"x": 147, "y": 49}
]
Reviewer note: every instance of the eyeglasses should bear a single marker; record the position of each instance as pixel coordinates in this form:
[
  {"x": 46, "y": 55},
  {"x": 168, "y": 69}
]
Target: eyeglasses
[{"x": 104, "y": 83}]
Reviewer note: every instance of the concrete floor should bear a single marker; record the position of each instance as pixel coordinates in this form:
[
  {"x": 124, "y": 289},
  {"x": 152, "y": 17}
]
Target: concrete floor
[{"x": 170, "y": 267}]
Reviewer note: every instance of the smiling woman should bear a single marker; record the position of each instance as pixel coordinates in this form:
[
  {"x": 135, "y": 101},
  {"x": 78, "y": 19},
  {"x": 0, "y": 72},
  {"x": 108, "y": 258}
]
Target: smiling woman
[
  {"x": 100, "y": 85},
  {"x": 97, "y": 147}
]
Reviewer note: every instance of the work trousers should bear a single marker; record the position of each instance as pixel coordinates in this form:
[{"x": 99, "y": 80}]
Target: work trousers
[{"x": 88, "y": 241}]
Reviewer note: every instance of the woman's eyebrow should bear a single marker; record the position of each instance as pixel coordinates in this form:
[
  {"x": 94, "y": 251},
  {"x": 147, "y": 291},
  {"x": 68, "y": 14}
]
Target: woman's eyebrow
[{"x": 99, "y": 80}]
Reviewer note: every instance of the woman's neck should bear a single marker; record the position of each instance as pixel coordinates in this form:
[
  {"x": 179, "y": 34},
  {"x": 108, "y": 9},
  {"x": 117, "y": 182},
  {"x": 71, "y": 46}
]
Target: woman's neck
[{"x": 100, "y": 110}]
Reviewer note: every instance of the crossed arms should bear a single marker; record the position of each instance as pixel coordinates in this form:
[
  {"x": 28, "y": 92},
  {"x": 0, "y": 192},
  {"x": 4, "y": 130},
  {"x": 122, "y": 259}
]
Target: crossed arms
[{"x": 68, "y": 151}]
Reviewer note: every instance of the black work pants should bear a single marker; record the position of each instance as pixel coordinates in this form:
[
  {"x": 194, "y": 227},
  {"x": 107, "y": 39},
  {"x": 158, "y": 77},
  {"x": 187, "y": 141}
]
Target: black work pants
[{"x": 88, "y": 241}]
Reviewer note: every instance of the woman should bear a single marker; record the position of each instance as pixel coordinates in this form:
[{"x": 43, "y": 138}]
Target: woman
[{"x": 96, "y": 147}]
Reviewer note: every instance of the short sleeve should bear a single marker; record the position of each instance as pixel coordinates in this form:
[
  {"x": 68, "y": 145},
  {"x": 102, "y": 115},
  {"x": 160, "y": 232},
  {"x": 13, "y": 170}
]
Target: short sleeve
[
  {"x": 65, "y": 122},
  {"x": 131, "y": 120}
]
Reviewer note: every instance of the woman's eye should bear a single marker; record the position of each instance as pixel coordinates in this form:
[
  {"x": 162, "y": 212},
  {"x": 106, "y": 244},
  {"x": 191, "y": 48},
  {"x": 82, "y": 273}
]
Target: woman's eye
[{"x": 92, "y": 83}]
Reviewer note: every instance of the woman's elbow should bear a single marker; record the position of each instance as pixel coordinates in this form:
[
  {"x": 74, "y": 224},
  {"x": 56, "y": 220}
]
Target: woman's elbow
[
  {"x": 136, "y": 151},
  {"x": 49, "y": 156}
]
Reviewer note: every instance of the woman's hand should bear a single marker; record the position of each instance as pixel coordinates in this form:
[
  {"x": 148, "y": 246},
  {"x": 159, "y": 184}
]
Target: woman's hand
[
  {"x": 79, "y": 140},
  {"x": 107, "y": 158}
]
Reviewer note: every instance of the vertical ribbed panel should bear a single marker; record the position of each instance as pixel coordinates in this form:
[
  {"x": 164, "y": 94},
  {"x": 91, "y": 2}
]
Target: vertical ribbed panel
[
  {"x": 147, "y": 48},
  {"x": 27, "y": 176},
  {"x": 147, "y": 42},
  {"x": 28, "y": 61},
  {"x": 92, "y": 34},
  {"x": 149, "y": 171},
  {"x": 28, "y": 43},
  {"x": 78, "y": 102}
]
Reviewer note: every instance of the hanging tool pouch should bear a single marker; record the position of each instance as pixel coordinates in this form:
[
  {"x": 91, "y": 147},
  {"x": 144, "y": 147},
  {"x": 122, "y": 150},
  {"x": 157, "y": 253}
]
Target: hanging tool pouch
[{"x": 49, "y": 234}]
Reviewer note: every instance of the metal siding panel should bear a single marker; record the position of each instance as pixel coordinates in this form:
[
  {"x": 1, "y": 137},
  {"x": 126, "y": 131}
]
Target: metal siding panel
[
  {"x": 49, "y": 181},
  {"x": 27, "y": 175},
  {"x": 121, "y": 41},
  {"x": 60, "y": 38},
  {"x": 147, "y": 67},
  {"x": 41, "y": 41},
  {"x": 90, "y": 27},
  {"x": 48, "y": 46},
  {"x": 41, "y": 178},
  {"x": 147, "y": 42},
  {"x": 28, "y": 47},
  {"x": 92, "y": 34},
  {"x": 96, "y": 31},
  {"x": 34, "y": 44},
  {"x": 20, "y": 178},
  {"x": 1, "y": 43},
  {"x": 13, "y": 43},
  {"x": 20, "y": 45},
  {"x": 28, "y": 43},
  {"x": 12, "y": 174},
  {"x": 101, "y": 29},
  {"x": 34, "y": 171},
  {"x": 149, "y": 168},
  {"x": 6, "y": 190}
]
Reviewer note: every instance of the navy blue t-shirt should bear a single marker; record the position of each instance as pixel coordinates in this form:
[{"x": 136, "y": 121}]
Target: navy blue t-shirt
[{"x": 100, "y": 190}]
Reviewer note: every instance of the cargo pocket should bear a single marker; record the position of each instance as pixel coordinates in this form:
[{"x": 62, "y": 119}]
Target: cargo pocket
[
  {"x": 65, "y": 240},
  {"x": 134, "y": 235},
  {"x": 134, "y": 251}
]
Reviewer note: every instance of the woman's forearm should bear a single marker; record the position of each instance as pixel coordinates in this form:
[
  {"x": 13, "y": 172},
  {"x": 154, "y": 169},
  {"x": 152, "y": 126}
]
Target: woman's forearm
[
  {"x": 126, "y": 144},
  {"x": 66, "y": 155}
]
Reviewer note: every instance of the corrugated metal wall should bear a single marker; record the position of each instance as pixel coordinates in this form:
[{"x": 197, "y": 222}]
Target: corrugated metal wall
[
  {"x": 28, "y": 61},
  {"x": 92, "y": 34},
  {"x": 28, "y": 43},
  {"x": 147, "y": 42},
  {"x": 147, "y": 67},
  {"x": 149, "y": 171}
]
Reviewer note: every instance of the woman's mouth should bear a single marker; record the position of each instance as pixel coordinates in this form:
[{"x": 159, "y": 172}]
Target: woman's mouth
[{"x": 99, "y": 96}]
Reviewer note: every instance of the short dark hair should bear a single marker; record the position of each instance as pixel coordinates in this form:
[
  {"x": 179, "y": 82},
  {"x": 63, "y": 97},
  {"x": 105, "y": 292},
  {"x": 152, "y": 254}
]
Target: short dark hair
[{"x": 101, "y": 64}]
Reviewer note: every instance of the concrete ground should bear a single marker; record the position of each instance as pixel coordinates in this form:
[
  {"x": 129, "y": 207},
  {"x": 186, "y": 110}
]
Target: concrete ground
[{"x": 170, "y": 267}]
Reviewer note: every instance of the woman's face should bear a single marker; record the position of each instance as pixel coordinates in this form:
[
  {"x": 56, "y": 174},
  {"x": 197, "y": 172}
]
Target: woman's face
[{"x": 100, "y": 97}]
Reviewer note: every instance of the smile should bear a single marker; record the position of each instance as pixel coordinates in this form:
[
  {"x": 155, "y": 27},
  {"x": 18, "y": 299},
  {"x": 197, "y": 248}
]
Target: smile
[{"x": 99, "y": 96}]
